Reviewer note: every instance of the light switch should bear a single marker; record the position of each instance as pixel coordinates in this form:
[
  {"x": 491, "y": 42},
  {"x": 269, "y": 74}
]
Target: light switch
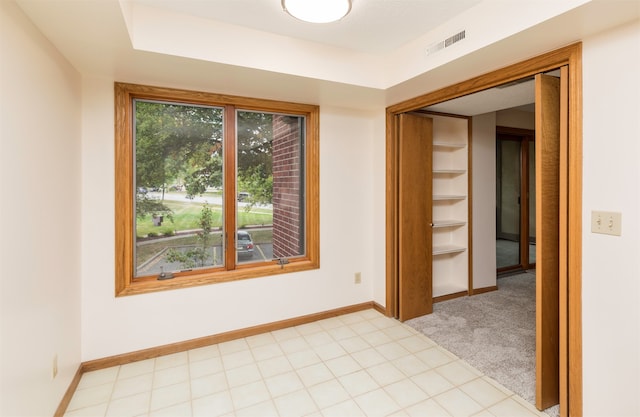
[{"x": 606, "y": 222}]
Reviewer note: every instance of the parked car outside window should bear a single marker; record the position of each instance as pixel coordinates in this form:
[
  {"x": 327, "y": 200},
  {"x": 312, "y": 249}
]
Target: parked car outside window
[{"x": 244, "y": 244}]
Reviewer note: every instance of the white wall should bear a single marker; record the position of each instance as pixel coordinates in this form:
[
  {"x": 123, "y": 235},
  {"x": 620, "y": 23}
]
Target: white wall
[
  {"x": 379, "y": 261},
  {"x": 610, "y": 268},
  {"x": 483, "y": 169},
  {"x": 113, "y": 326},
  {"x": 519, "y": 119},
  {"x": 40, "y": 205}
]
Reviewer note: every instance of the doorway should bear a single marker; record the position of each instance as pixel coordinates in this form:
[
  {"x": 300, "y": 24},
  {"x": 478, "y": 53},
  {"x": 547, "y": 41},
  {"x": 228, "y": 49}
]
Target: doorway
[
  {"x": 568, "y": 318},
  {"x": 515, "y": 200}
]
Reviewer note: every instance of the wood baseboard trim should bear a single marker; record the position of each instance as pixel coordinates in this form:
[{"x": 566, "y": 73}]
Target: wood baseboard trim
[
  {"x": 450, "y": 296},
  {"x": 477, "y": 291},
  {"x": 379, "y": 308},
  {"x": 154, "y": 352},
  {"x": 66, "y": 399}
]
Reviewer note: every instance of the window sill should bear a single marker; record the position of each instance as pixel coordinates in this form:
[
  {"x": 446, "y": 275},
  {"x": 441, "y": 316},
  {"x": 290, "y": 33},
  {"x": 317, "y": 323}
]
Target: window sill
[{"x": 147, "y": 285}]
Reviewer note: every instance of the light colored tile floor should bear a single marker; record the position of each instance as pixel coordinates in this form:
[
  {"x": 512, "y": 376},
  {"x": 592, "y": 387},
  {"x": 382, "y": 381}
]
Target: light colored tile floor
[{"x": 359, "y": 364}]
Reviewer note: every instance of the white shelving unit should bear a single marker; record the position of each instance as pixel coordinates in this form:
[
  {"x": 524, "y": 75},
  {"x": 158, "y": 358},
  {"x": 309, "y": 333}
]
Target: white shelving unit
[{"x": 450, "y": 205}]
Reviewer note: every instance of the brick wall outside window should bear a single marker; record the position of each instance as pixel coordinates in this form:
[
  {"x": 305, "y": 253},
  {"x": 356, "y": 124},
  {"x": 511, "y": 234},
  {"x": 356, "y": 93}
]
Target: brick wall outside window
[{"x": 288, "y": 239}]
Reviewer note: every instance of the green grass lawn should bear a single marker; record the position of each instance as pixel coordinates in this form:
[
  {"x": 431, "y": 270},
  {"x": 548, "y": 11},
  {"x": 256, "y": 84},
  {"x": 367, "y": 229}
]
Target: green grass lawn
[{"x": 186, "y": 216}]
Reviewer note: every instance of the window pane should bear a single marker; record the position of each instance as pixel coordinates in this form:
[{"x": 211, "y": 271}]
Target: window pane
[
  {"x": 270, "y": 184},
  {"x": 178, "y": 187}
]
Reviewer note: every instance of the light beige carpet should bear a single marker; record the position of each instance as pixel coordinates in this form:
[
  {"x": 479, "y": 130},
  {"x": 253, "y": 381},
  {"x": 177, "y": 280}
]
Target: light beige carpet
[{"x": 494, "y": 332}]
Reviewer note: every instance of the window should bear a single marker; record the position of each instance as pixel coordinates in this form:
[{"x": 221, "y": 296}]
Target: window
[{"x": 212, "y": 188}]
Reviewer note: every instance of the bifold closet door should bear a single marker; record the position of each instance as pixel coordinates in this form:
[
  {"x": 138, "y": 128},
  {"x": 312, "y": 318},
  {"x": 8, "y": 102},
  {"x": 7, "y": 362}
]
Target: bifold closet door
[
  {"x": 551, "y": 224},
  {"x": 415, "y": 196}
]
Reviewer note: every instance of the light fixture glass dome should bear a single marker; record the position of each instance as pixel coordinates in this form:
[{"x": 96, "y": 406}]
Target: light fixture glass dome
[{"x": 317, "y": 11}]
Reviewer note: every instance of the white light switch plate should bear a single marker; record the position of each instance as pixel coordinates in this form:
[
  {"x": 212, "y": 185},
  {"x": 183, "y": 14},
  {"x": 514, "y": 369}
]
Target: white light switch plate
[{"x": 606, "y": 222}]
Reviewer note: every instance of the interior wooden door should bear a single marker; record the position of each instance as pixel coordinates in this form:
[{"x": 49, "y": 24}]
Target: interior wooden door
[
  {"x": 551, "y": 166},
  {"x": 415, "y": 196}
]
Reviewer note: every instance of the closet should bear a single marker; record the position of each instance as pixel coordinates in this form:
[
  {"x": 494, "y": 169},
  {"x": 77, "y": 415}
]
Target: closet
[
  {"x": 433, "y": 183},
  {"x": 558, "y": 100}
]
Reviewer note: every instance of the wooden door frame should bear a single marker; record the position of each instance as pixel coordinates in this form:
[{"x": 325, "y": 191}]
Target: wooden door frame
[{"x": 571, "y": 256}]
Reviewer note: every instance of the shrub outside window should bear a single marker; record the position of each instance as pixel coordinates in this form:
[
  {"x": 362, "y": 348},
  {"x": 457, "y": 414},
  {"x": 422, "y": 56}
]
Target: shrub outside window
[{"x": 212, "y": 188}]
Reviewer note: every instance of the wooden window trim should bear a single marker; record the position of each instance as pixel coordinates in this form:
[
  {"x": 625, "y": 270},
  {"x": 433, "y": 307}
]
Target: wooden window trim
[{"x": 124, "y": 174}]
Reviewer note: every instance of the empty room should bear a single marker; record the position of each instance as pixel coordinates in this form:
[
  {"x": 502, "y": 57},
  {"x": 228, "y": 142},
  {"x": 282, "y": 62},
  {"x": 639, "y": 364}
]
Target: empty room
[{"x": 219, "y": 208}]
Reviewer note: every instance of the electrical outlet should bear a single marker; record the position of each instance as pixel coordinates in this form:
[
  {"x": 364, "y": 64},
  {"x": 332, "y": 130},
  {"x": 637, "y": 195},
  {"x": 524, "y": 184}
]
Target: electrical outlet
[
  {"x": 358, "y": 278},
  {"x": 54, "y": 367},
  {"x": 606, "y": 222}
]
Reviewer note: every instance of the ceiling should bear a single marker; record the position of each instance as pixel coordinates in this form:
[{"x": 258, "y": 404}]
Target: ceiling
[
  {"x": 372, "y": 26},
  {"x": 374, "y": 57},
  {"x": 519, "y": 95}
]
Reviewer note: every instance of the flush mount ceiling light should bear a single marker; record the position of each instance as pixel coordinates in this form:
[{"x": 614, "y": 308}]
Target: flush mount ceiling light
[{"x": 317, "y": 11}]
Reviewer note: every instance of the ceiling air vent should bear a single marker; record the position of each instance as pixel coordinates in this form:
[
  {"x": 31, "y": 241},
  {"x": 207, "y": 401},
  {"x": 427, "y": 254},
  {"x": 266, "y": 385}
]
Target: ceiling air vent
[{"x": 446, "y": 43}]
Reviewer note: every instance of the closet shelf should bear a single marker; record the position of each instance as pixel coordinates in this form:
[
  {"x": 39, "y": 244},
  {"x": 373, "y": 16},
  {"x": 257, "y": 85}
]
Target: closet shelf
[
  {"x": 449, "y": 145},
  {"x": 449, "y": 171},
  {"x": 448, "y": 223},
  {"x": 446, "y": 249},
  {"x": 442, "y": 197}
]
